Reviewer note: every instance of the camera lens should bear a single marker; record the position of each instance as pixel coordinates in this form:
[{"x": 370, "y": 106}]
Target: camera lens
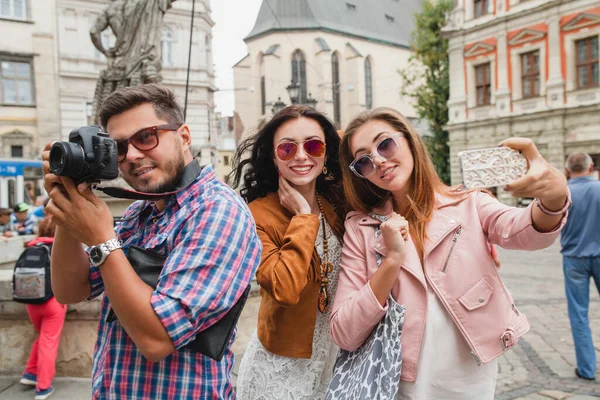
[{"x": 67, "y": 159}]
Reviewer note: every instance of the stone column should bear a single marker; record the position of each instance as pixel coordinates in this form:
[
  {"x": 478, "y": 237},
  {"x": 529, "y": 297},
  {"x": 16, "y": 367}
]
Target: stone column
[
  {"x": 457, "y": 104},
  {"x": 503, "y": 93},
  {"x": 555, "y": 86}
]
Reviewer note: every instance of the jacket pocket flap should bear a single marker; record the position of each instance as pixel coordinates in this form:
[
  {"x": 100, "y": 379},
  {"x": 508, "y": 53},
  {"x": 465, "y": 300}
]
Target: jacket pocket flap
[{"x": 477, "y": 295}]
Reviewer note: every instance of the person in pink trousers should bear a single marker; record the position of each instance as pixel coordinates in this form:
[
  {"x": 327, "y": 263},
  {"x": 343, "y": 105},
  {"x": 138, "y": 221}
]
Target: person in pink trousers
[{"x": 48, "y": 320}]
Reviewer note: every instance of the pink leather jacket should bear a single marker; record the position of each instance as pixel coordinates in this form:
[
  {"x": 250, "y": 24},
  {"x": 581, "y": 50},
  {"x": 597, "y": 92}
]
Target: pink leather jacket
[{"x": 458, "y": 267}]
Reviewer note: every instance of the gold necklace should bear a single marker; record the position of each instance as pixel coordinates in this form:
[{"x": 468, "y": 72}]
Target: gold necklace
[{"x": 326, "y": 266}]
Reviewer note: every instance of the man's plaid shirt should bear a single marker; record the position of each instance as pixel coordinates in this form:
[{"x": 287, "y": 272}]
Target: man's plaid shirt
[{"x": 213, "y": 251}]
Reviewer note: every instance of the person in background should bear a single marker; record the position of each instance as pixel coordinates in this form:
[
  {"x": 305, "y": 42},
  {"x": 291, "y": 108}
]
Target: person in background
[
  {"x": 39, "y": 209},
  {"x": 48, "y": 320},
  {"x": 5, "y": 229},
  {"x": 580, "y": 241},
  {"x": 22, "y": 223},
  {"x": 30, "y": 195}
]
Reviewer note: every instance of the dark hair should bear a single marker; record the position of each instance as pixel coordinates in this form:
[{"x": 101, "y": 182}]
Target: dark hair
[
  {"x": 257, "y": 173},
  {"x": 124, "y": 99},
  {"x": 47, "y": 227},
  {"x": 5, "y": 211}
]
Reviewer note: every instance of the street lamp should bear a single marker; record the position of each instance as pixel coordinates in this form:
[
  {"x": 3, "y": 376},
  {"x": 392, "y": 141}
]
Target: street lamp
[
  {"x": 293, "y": 90},
  {"x": 278, "y": 105},
  {"x": 310, "y": 101}
]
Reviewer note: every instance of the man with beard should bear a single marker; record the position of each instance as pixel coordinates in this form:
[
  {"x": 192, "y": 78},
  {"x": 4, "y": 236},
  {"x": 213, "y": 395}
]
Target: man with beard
[{"x": 205, "y": 230}]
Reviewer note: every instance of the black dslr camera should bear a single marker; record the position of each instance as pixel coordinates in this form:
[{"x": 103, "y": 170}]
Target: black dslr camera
[{"x": 89, "y": 156}]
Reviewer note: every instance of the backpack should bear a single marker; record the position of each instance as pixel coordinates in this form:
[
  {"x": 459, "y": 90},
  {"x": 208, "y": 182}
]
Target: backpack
[{"x": 31, "y": 277}]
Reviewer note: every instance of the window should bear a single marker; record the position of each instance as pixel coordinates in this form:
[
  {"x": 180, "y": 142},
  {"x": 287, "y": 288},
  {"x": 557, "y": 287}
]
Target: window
[
  {"x": 335, "y": 79},
  {"x": 483, "y": 84},
  {"x": 16, "y": 151},
  {"x": 481, "y": 7},
  {"x": 530, "y": 74},
  {"x": 17, "y": 86},
  {"x": 166, "y": 43},
  {"x": 299, "y": 74},
  {"x": 368, "y": 84},
  {"x": 13, "y": 9},
  {"x": 587, "y": 62}
]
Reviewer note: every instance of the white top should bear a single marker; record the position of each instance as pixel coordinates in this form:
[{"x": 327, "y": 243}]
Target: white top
[
  {"x": 446, "y": 368},
  {"x": 266, "y": 376}
]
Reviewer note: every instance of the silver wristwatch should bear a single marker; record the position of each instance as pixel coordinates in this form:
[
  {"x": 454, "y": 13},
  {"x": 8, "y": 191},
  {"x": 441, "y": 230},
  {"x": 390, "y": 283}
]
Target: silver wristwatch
[{"x": 99, "y": 253}]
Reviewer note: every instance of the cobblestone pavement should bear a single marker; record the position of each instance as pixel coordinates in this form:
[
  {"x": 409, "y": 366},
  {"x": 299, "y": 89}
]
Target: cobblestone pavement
[{"x": 542, "y": 364}]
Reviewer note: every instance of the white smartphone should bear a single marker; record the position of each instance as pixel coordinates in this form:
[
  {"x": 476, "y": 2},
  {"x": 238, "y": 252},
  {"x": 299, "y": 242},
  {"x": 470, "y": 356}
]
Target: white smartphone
[{"x": 491, "y": 167}]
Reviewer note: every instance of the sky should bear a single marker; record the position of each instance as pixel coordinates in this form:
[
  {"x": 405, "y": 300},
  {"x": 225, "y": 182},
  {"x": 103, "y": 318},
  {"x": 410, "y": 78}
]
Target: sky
[{"x": 234, "y": 19}]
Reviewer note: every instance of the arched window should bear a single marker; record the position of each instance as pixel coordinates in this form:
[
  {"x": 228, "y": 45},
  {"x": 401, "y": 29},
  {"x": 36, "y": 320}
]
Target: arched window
[
  {"x": 368, "y": 84},
  {"x": 299, "y": 73},
  {"x": 167, "y": 46},
  {"x": 335, "y": 79}
]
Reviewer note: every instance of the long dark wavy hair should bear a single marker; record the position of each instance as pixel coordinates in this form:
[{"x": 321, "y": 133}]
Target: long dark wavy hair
[{"x": 255, "y": 171}]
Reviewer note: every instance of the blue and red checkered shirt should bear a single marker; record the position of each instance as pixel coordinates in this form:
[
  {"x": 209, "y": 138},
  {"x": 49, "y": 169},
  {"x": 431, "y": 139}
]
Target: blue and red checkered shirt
[{"x": 213, "y": 251}]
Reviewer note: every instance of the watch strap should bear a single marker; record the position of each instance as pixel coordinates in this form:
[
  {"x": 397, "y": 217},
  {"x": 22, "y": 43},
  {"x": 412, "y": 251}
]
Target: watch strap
[{"x": 112, "y": 244}]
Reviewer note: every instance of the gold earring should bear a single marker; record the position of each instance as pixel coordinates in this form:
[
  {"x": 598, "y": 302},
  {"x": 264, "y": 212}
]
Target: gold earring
[{"x": 324, "y": 170}]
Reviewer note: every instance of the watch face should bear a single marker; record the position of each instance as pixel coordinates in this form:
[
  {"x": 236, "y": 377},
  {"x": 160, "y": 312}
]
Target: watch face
[{"x": 96, "y": 254}]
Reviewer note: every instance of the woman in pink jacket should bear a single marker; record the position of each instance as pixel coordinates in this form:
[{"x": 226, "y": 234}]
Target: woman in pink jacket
[{"x": 459, "y": 316}]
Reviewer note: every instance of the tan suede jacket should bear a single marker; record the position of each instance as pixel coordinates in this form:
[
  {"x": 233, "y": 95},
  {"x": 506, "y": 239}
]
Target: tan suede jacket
[{"x": 289, "y": 275}]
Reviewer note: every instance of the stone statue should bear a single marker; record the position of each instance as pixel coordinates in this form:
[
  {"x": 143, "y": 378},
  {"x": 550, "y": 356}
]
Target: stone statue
[{"x": 136, "y": 56}]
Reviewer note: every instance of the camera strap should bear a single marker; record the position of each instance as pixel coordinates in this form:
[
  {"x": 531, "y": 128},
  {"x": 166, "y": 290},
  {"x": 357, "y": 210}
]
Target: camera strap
[{"x": 189, "y": 175}]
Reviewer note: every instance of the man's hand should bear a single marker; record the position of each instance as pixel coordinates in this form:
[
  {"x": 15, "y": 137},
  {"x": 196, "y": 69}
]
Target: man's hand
[
  {"x": 77, "y": 209},
  {"x": 50, "y": 180},
  {"x": 85, "y": 216}
]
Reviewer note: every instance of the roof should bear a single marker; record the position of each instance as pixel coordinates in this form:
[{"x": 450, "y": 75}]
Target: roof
[{"x": 386, "y": 21}]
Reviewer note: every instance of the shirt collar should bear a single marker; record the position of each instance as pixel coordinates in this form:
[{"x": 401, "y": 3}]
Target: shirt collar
[{"x": 581, "y": 179}]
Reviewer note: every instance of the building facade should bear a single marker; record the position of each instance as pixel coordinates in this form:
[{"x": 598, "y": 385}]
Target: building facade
[
  {"x": 229, "y": 130},
  {"x": 343, "y": 54},
  {"x": 50, "y": 66},
  {"x": 524, "y": 68}
]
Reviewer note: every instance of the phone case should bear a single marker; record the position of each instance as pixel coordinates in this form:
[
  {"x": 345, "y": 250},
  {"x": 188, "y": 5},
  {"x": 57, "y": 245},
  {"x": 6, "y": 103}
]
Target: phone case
[{"x": 485, "y": 168}]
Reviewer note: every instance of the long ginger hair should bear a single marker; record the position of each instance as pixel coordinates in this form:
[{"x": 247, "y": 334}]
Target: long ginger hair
[{"x": 424, "y": 182}]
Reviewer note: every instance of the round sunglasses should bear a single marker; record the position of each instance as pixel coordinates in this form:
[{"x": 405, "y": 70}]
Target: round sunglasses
[
  {"x": 364, "y": 166},
  {"x": 144, "y": 140},
  {"x": 313, "y": 147}
]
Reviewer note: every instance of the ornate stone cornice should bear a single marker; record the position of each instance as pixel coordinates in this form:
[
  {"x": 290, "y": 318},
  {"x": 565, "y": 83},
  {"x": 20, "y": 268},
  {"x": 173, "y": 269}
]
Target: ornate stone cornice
[{"x": 526, "y": 35}]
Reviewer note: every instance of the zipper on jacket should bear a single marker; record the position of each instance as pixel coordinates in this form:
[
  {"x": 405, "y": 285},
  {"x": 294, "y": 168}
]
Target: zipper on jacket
[
  {"x": 454, "y": 240},
  {"x": 476, "y": 357},
  {"x": 515, "y": 309}
]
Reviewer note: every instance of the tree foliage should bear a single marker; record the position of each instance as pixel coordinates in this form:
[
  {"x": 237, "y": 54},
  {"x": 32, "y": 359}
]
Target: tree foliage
[{"x": 427, "y": 82}]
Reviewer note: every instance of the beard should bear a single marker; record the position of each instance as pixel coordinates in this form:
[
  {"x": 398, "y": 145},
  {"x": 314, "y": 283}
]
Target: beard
[{"x": 173, "y": 170}]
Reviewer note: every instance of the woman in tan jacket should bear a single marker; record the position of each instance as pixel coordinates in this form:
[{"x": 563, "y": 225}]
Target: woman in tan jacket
[{"x": 292, "y": 182}]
